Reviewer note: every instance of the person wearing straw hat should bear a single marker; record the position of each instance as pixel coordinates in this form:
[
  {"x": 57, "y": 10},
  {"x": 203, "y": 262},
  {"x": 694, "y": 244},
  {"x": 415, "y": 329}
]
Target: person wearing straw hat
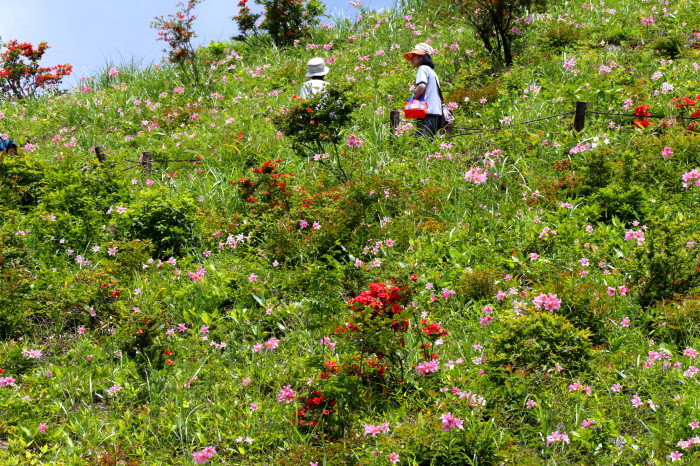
[
  {"x": 427, "y": 88},
  {"x": 316, "y": 69}
]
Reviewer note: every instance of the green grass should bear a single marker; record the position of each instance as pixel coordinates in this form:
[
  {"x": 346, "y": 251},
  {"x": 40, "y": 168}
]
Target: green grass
[{"x": 171, "y": 312}]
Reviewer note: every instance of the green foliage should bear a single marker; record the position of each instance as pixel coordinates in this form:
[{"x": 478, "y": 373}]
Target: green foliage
[
  {"x": 476, "y": 443},
  {"x": 20, "y": 181},
  {"x": 668, "y": 264},
  {"x": 676, "y": 321},
  {"x": 74, "y": 206},
  {"x": 319, "y": 119},
  {"x": 626, "y": 203},
  {"x": 173, "y": 306},
  {"x": 494, "y": 23},
  {"x": 672, "y": 46},
  {"x": 286, "y": 21},
  {"x": 170, "y": 224},
  {"x": 534, "y": 343},
  {"x": 560, "y": 36},
  {"x": 14, "y": 361},
  {"x": 479, "y": 284}
]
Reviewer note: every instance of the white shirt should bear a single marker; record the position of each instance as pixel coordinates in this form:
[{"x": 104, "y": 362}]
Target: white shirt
[
  {"x": 425, "y": 74},
  {"x": 312, "y": 86}
]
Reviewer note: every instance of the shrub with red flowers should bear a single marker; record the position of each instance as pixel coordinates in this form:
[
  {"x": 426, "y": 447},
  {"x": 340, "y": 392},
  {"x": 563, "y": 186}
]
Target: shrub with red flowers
[
  {"x": 245, "y": 19},
  {"x": 177, "y": 31},
  {"x": 20, "y": 73},
  {"x": 317, "y": 122},
  {"x": 376, "y": 330},
  {"x": 691, "y": 107},
  {"x": 285, "y": 20},
  {"x": 314, "y": 409},
  {"x": 266, "y": 190}
]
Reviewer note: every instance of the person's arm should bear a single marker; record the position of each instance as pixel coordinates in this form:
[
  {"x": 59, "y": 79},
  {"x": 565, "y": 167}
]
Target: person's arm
[
  {"x": 418, "y": 91},
  {"x": 421, "y": 82}
]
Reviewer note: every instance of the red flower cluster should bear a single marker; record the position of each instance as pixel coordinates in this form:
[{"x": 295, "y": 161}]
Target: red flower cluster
[
  {"x": 313, "y": 408},
  {"x": 369, "y": 369},
  {"x": 691, "y": 105},
  {"x": 385, "y": 301},
  {"x": 380, "y": 298},
  {"x": 269, "y": 188},
  {"x": 563, "y": 165},
  {"x": 20, "y": 73},
  {"x": 433, "y": 329},
  {"x": 641, "y": 111}
]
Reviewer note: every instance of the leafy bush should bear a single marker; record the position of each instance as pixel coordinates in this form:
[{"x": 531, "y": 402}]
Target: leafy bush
[
  {"x": 669, "y": 46},
  {"x": 319, "y": 119},
  {"x": 21, "y": 179},
  {"x": 177, "y": 31},
  {"x": 286, "y": 21},
  {"x": 668, "y": 264},
  {"x": 74, "y": 206},
  {"x": 478, "y": 284},
  {"x": 169, "y": 224},
  {"x": 676, "y": 321},
  {"x": 626, "y": 203},
  {"x": 560, "y": 36},
  {"x": 495, "y": 23},
  {"x": 535, "y": 343}
]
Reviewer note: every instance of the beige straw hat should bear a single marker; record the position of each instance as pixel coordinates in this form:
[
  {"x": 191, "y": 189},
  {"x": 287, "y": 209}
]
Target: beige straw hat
[
  {"x": 316, "y": 67},
  {"x": 419, "y": 49}
]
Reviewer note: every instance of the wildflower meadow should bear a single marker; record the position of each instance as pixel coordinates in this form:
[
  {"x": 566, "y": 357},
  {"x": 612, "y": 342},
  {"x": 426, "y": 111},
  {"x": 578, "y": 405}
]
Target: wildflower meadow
[{"x": 199, "y": 267}]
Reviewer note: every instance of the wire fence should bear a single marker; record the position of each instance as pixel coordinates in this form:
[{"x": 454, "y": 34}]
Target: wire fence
[
  {"x": 145, "y": 161},
  {"x": 579, "y": 122}
]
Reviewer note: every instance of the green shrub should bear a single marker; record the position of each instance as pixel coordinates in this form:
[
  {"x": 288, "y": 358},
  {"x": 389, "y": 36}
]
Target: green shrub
[
  {"x": 627, "y": 203},
  {"x": 21, "y": 179},
  {"x": 670, "y": 46},
  {"x": 534, "y": 343},
  {"x": 666, "y": 266},
  {"x": 476, "y": 443},
  {"x": 617, "y": 35},
  {"x": 478, "y": 284},
  {"x": 676, "y": 321},
  {"x": 559, "y": 36},
  {"x": 16, "y": 266},
  {"x": 14, "y": 361},
  {"x": 169, "y": 223},
  {"x": 319, "y": 119},
  {"x": 585, "y": 311},
  {"x": 285, "y": 20},
  {"x": 76, "y": 202}
]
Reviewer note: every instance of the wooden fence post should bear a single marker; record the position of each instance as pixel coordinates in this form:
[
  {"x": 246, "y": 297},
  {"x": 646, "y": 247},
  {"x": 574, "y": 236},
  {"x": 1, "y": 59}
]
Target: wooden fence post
[
  {"x": 101, "y": 154},
  {"x": 580, "y": 116},
  {"x": 147, "y": 162},
  {"x": 394, "y": 120}
]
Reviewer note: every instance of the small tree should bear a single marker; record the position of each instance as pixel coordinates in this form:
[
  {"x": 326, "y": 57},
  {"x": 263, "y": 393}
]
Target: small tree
[
  {"x": 176, "y": 30},
  {"x": 498, "y": 23},
  {"x": 285, "y": 20},
  {"x": 20, "y": 73},
  {"x": 317, "y": 122}
]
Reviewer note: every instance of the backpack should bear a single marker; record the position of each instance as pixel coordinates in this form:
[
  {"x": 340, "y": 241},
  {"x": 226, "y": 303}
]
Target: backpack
[
  {"x": 447, "y": 120},
  {"x": 7, "y": 145}
]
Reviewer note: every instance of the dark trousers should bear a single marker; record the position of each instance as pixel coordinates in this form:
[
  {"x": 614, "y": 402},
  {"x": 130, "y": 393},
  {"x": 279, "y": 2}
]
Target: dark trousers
[{"x": 428, "y": 126}]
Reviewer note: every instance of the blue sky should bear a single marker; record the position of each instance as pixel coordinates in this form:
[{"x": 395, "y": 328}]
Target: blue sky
[{"x": 91, "y": 33}]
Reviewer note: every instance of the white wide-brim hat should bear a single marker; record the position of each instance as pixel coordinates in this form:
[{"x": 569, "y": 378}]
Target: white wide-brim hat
[
  {"x": 419, "y": 49},
  {"x": 316, "y": 67}
]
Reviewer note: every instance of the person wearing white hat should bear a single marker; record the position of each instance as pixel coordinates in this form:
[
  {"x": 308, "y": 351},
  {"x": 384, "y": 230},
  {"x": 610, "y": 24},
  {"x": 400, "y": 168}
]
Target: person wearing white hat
[
  {"x": 427, "y": 88},
  {"x": 316, "y": 69}
]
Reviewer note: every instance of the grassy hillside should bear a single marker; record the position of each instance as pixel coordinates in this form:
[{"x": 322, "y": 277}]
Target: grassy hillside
[{"x": 516, "y": 292}]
